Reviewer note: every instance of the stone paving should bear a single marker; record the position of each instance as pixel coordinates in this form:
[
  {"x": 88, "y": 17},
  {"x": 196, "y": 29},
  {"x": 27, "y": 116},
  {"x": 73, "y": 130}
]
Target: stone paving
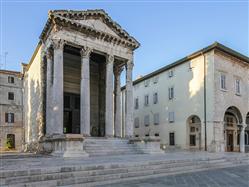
[
  {"x": 236, "y": 177},
  {"x": 29, "y": 162}
]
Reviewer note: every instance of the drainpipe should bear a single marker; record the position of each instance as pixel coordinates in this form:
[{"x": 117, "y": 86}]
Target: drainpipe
[{"x": 205, "y": 103}]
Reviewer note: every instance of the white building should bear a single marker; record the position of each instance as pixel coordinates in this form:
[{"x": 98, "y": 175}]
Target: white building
[
  {"x": 198, "y": 102},
  {"x": 11, "y": 111}
]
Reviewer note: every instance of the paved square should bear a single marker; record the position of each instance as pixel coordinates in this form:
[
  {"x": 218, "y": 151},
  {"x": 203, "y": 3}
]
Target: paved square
[{"x": 236, "y": 176}]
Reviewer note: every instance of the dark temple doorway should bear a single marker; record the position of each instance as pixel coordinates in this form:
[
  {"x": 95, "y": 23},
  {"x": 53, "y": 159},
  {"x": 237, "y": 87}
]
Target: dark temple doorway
[
  {"x": 71, "y": 87},
  {"x": 97, "y": 94}
]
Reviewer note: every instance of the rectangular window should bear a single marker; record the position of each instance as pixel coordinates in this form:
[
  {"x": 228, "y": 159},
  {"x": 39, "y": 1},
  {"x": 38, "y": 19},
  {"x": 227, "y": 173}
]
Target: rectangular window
[
  {"x": 156, "y": 134},
  {"x": 237, "y": 86},
  {"x": 172, "y": 138},
  {"x": 146, "y": 100},
  {"x": 156, "y": 119},
  {"x": 223, "y": 82},
  {"x": 147, "y": 120},
  {"x": 192, "y": 140},
  {"x": 155, "y": 98},
  {"x": 136, "y": 135},
  {"x": 136, "y": 103},
  {"x": 155, "y": 80},
  {"x": 192, "y": 129},
  {"x": 147, "y": 135},
  {"x": 171, "y": 93},
  {"x": 171, "y": 117},
  {"x": 136, "y": 122},
  {"x": 11, "y": 79},
  {"x": 146, "y": 83},
  {"x": 9, "y": 117},
  {"x": 10, "y": 96},
  {"x": 171, "y": 73}
]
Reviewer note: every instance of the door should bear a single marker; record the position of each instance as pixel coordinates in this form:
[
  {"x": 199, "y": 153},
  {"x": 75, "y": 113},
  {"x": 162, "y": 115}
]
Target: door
[
  {"x": 67, "y": 128},
  {"x": 71, "y": 113},
  {"x": 229, "y": 141},
  {"x": 11, "y": 141}
]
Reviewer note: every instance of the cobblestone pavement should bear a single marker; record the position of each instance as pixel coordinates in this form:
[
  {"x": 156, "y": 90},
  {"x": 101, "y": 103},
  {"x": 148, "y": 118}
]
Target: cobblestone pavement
[{"x": 236, "y": 176}]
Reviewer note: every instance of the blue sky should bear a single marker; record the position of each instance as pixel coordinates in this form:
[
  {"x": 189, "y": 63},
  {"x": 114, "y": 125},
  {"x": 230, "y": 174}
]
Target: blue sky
[{"x": 167, "y": 31}]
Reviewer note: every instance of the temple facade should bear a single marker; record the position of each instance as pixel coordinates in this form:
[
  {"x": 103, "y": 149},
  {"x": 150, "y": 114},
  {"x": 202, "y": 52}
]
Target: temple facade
[{"x": 72, "y": 83}]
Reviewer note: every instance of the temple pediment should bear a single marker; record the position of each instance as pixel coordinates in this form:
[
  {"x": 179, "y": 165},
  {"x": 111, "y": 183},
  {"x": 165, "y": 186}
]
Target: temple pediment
[
  {"x": 98, "y": 25},
  {"x": 95, "y": 22}
]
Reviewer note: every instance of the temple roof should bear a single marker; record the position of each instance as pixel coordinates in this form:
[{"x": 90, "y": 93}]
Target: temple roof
[{"x": 76, "y": 20}]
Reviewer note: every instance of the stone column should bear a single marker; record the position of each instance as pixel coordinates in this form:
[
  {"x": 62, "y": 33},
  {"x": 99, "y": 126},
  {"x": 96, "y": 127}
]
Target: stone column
[
  {"x": 242, "y": 138},
  {"x": 109, "y": 97},
  {"x": 129, "y": 100},
  {"x": 117, "y": 118},
  {"x": 57, "y": 113},
  {"x": 49, "y": 56},
  {"x": 85, "y": 91}
]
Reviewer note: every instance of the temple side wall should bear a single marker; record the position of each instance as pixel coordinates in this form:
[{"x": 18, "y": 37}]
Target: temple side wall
[{"x": 32, "y": 99}]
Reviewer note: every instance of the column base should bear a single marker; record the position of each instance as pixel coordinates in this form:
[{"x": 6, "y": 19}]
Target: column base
[{"x": 64, "y": 145}]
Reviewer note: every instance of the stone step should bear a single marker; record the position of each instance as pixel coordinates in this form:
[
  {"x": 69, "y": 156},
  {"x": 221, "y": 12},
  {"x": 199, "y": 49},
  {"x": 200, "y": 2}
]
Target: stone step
[
  {"x": 96, "y": 174},
  {"x": 120, "y": 174}
]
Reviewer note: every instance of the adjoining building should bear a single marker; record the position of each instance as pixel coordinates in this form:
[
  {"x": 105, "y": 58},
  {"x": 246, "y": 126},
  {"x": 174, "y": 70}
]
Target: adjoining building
[
  {"x": 11, "y": 111},
  {"x": 200, "y": 102}
]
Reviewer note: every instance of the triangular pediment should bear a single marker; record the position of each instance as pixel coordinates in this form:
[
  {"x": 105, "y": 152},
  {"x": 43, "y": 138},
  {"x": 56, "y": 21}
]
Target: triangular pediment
[
  {"x": 96, "y": 19},
  {"x": 96, "y": 22},
  {"x": 97, "y": 25}
]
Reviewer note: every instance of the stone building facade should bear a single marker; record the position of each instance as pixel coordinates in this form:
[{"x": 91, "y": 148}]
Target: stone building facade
[
  {"x": 199, "y": 102},
  {"x": 11, "y": 111},
  {"x": 72, "y": 78}
]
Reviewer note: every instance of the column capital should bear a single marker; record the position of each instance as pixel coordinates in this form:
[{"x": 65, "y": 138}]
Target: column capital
[
  {"x": 110, "y": 59},
  {"x": 49, "y": 53},
  {"x": 58, "y": 43},
  {"x": 118, "y": 70},
  {"x": 85, "y": 51},
  {"x": 129, "y": 65}
]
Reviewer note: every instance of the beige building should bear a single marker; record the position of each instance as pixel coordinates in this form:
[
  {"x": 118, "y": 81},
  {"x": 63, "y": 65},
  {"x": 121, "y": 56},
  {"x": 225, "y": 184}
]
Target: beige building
[
  {"x": 11, "y": 111},
  {"x": 199, "y": 102}
]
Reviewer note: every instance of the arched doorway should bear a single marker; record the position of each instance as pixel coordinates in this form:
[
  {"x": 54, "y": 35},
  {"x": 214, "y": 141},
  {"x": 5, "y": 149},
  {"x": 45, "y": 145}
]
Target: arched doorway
[
  {"x": 194, "y": 132},
  {"x": 11, "y": 141},
  {"x": 247, "y": 134},
  {"x": 232, "y": 119}
]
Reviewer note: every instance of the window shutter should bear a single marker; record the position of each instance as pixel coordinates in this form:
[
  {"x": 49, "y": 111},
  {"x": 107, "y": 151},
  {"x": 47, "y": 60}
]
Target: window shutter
[
  {"x": 12, "y": 118},
  {"x": 6, "y": 118}
]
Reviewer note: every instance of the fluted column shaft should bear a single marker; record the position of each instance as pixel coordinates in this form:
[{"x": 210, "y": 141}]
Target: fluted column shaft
[
  {"x": 57, "y": 117},
  {"x": 49, "y": 56},
  {"x": 117, "y": 118},
  {"x": 129, "y": 101},
  {"x": 85, "y": 92},
  {"x": 109, "y": 97}
]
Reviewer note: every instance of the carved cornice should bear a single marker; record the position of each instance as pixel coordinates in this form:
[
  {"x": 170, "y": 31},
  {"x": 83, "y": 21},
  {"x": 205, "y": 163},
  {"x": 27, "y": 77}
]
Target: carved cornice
[
  {"x": 64, "y": 19},
  {"x": 85, "y": 51}
]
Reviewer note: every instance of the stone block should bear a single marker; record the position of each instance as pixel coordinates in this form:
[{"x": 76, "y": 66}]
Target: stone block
[
  {"x": 148, "y": 145},
  {"x": 66, "y": 145}
]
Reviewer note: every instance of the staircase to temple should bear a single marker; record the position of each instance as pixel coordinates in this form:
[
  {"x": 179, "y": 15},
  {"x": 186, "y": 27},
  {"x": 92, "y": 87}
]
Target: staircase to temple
[
  {"x": 110, "y": 146},
  {"x": 111, "y": 170}
]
